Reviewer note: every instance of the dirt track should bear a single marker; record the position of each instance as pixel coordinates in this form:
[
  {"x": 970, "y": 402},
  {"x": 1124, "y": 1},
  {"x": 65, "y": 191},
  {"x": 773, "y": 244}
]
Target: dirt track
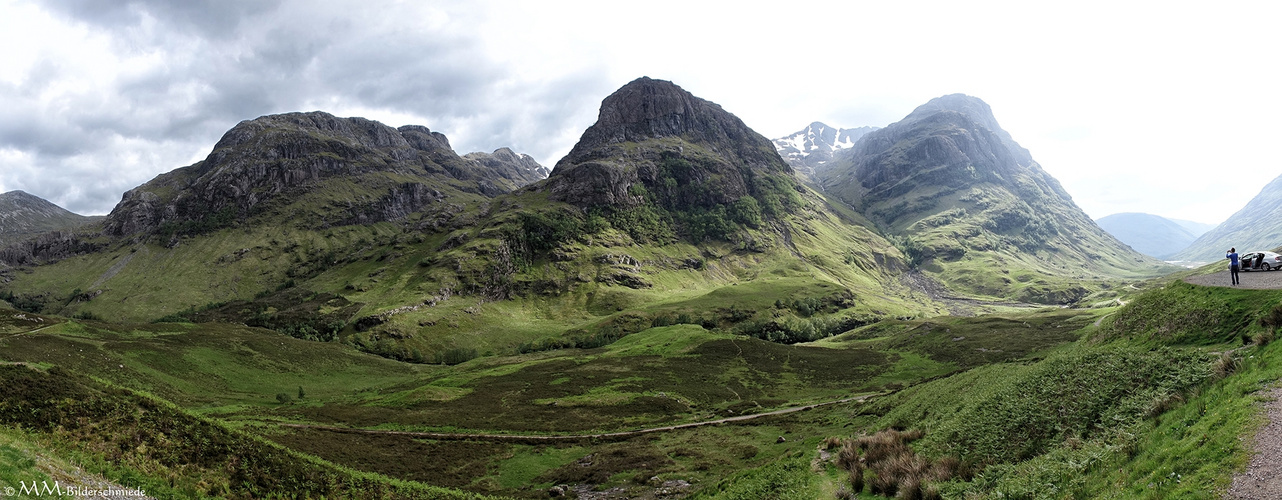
[{"x": 1262, "y": 479}]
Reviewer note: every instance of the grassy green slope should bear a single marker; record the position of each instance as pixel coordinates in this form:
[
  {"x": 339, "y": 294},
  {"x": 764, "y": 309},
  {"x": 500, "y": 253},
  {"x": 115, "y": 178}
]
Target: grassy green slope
[
  {"x": 143, "y": 443},
  {"x": 660, "y": 376},
  {"x": 1152, "y": 403},
  {"x": 436, "y": 290}
]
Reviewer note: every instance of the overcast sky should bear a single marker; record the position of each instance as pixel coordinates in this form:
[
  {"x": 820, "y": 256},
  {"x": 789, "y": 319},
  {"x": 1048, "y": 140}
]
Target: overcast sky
[{"x": 1170, "y": 108}]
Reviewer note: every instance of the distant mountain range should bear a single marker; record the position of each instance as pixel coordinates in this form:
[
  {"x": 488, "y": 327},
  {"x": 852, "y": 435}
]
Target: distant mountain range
[
  {"x": 1194, "y": 228},
  {"x": 23, "y": 216},
  {"x": 1257, "y": 226},
  {"x": 1154, "y": 235},
  {"x": 816, "y": 144},
  {"x": 1149, "y": 234}
]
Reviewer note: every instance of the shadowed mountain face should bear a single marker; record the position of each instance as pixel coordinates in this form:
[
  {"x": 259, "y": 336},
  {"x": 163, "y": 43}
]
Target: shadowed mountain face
[
  {"x": 656, "y": 144},
  {"x": 1255, "y": 227},
  {"x": 343, "y": 170},
  {"x": 23, "y": 215},
  {"x": 963, "y": 197},
  {"x": 1149, "y": 234}
]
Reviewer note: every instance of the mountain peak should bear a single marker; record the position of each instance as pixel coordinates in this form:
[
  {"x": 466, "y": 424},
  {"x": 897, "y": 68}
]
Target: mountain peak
[
  {"x": 17, "y": 201},
  {"x": 645, "y": 128},
  {"x": 952, "y": 182},
  {"x": 23, "y": 215},
  {"x": 646, "y": 109},
  {"x": 973, "y": 108}
]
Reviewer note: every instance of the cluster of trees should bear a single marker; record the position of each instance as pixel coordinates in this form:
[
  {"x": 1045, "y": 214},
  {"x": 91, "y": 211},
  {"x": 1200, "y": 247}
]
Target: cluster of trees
[
  {"x": 591, "y": 341},
  {"x": 208, "y": 223},
  {"x": 25, "y": 303},
  {"x": 789, "y": 329}
]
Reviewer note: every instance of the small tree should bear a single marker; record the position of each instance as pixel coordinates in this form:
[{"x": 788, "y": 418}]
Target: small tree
[
  {"x": 283, "y": 398},
  {"x": 301, "y": 394}
]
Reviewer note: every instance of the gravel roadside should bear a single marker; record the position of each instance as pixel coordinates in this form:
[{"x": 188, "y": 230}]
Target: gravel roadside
[
  {"x": 1262, "y": 479},
  {"x": 1256, "y": 280}
]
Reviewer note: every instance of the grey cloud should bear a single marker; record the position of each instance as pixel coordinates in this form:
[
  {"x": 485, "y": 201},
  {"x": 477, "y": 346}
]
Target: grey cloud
[
  {"x": 217, "y": 19},
  {"x": 232, "y": 61},
  {"x": 544, "y": 121}
]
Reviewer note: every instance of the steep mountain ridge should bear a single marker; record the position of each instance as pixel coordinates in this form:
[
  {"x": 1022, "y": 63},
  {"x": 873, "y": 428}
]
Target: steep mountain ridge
[
  {"x": 964, "y": 199},
  {"x": 277, "y": 159},
  {"x": 1149, "y": 234},
  {"x": 1254, "y": 227},
  {"x": 23, "y": 215}
]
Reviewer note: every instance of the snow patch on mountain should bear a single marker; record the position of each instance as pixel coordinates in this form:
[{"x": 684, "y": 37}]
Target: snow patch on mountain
[{"x": 815, "y": 145}]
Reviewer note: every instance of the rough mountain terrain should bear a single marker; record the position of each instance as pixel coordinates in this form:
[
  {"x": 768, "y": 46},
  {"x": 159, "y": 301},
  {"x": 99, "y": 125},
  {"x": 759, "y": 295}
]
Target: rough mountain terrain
[
  {"x": 273, "y": 161},
  {"x": 684, "y": 152},
  {"x": 963, "y": 198},
  {"x": 816, "y": 145},
  {"x": 24, "y": 215},
  {"x": 670, "y": 312}
]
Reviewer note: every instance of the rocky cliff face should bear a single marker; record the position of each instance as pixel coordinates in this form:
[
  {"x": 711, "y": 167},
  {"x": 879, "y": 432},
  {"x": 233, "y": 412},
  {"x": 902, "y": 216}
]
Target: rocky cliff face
[
  {"x": 653, "y": 142},
  {"x": 277, "y": 159}
]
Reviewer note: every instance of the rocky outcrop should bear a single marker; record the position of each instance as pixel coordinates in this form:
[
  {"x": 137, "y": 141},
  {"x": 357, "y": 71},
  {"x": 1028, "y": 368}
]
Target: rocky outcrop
[
  {"x": 401, "y": 201},
  {"x": 46, "y": 247},
  {"x": 274, "y": 160},
  {"x": 655, "y": 141}
]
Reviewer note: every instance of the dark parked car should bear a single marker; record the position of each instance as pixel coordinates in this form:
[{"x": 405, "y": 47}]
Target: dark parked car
[{"x": 1261, "y": 261}]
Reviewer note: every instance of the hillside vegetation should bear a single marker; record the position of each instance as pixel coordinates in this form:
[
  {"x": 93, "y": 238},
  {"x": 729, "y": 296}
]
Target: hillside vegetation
[
  {"x": 329, "y": 307},
  {"x": 1150, "y": 411},
  {"x": 998, "y": 406}
]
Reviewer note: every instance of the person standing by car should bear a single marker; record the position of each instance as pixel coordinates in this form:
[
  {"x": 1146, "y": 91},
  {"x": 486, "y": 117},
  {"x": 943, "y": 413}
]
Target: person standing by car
[{"x": 1233, "y": 264}]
